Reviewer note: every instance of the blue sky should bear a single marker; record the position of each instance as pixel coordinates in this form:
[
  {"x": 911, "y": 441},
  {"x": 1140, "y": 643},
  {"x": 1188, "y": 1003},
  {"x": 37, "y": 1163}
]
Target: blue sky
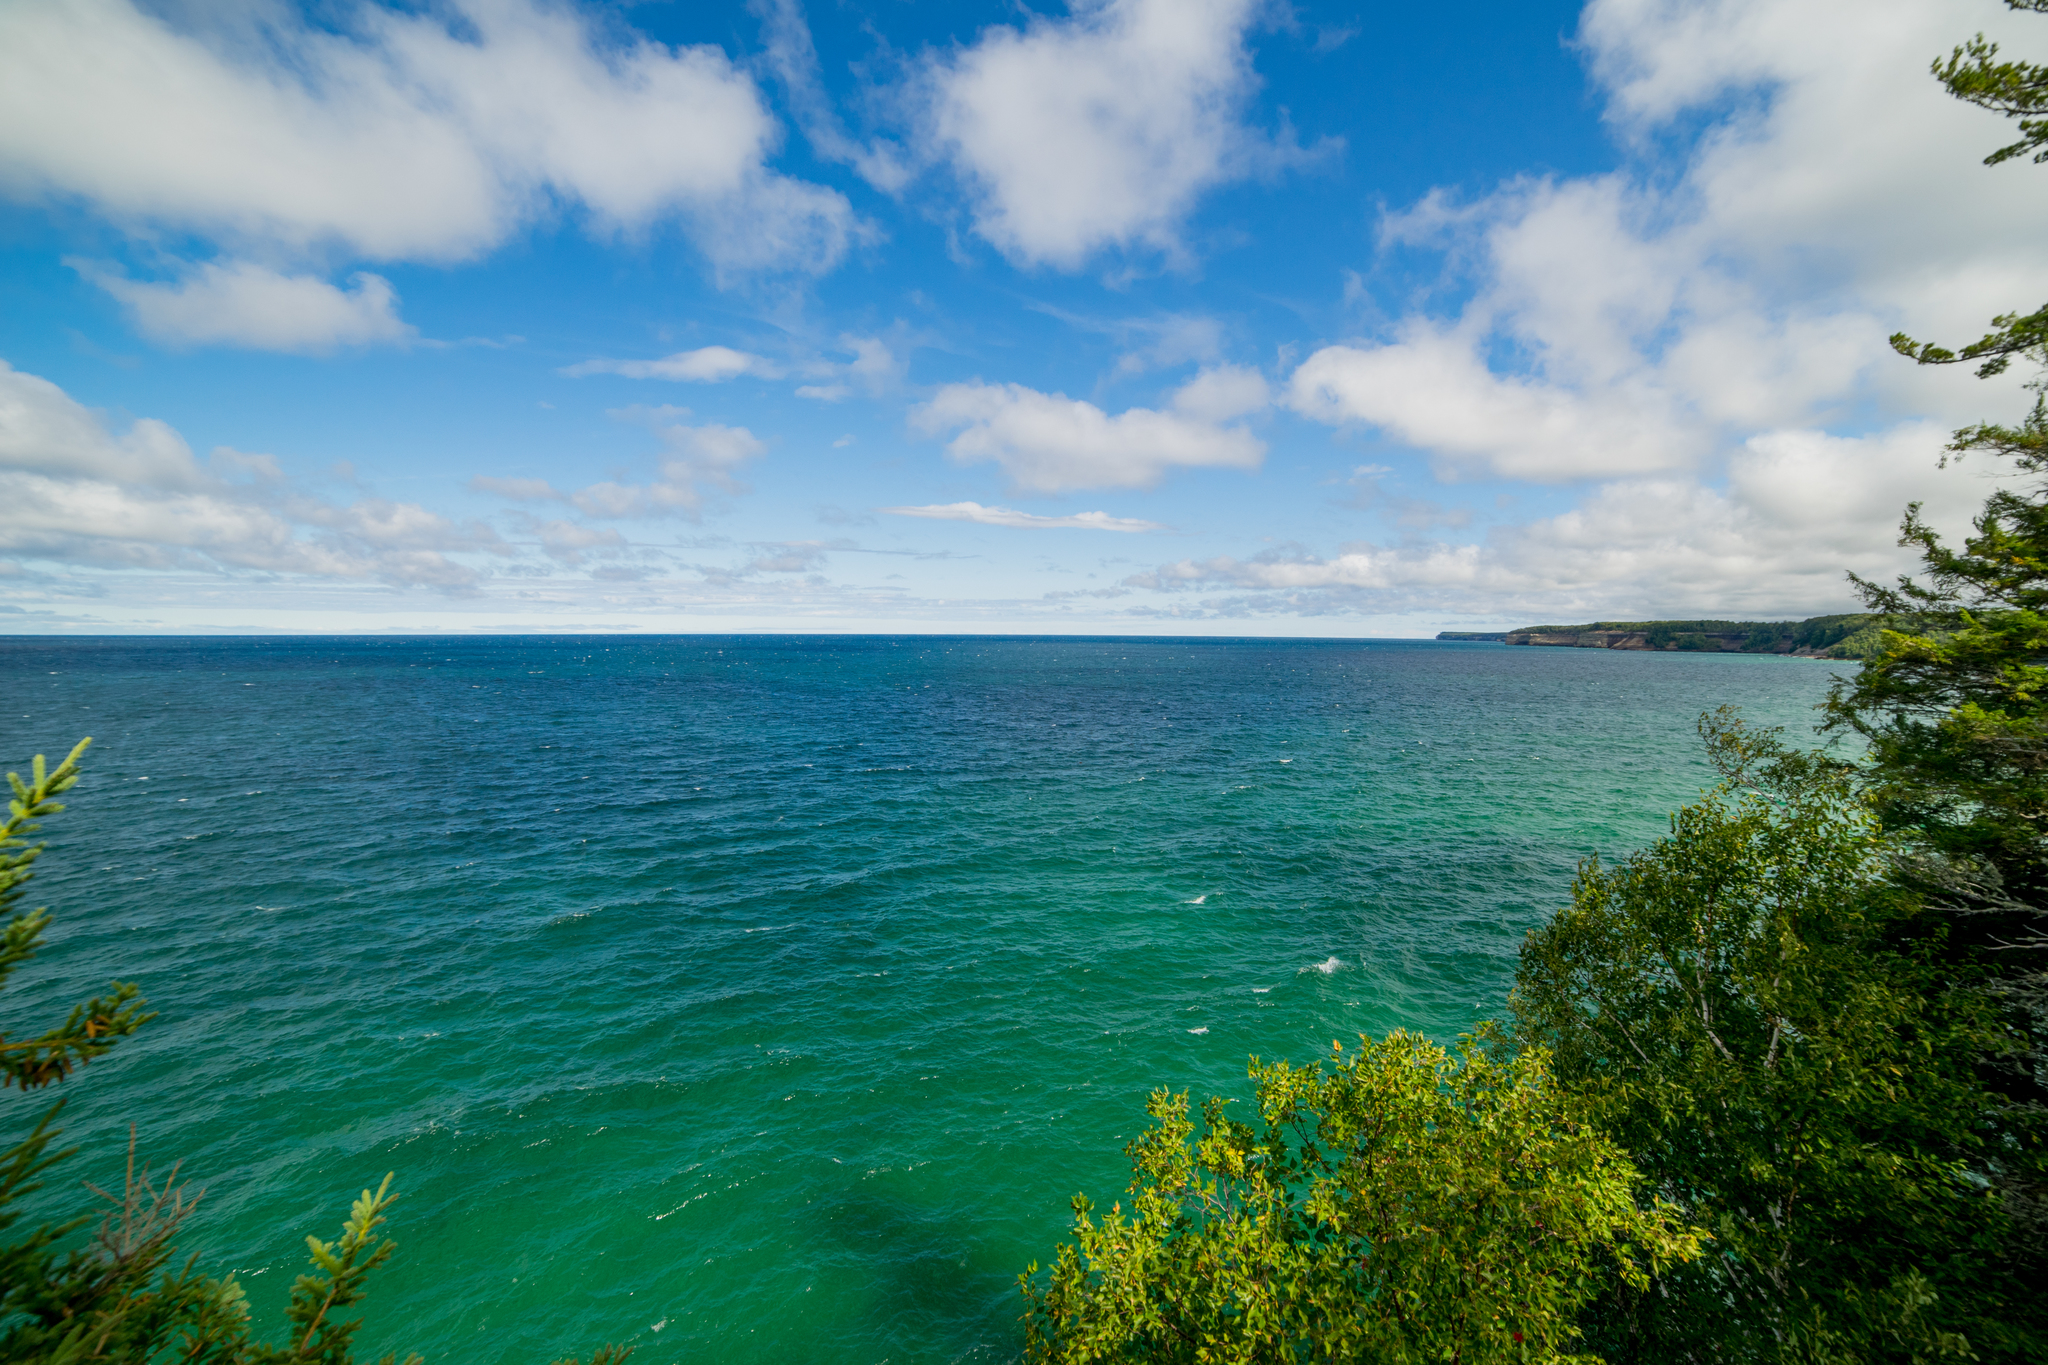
[{"x": 1206, "y": 316}]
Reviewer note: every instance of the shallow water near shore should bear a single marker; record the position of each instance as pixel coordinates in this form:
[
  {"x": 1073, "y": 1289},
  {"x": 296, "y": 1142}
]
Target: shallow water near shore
[{"x": 766, "y": 998}]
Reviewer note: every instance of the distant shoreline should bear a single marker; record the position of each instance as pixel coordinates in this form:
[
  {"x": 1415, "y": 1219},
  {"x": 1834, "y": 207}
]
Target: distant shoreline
[{"x": 1852, "y": 636}]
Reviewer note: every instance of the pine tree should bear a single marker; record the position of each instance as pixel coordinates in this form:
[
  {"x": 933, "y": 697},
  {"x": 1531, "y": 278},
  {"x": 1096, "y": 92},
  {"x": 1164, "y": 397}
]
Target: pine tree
[{"x": 1956, "y": 714}]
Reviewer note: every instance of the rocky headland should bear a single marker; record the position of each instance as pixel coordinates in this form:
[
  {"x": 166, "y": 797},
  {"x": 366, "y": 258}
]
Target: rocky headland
[{"x": 1851, "y": 636}]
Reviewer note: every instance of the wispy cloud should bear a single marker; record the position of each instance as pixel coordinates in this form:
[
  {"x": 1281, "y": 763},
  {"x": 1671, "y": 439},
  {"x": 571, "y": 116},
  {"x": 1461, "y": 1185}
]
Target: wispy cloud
[
  {"x": 693, "y": 457},
  {"x": 1004, "y": 516},
  {"x": 705, "y": 365}
]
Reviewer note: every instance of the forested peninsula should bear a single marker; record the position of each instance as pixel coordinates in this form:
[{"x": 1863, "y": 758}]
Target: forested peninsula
[{"x": 1853, "y": 635}]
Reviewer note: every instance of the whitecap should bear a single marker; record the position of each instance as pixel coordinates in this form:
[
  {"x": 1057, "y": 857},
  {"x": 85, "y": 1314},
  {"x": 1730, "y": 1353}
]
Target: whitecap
[
  {"x": 1199, "y": 899},
  {"x": 1329, "y": 966},
  {"x": 1261, "y": 990},
  {"x": 1203, "y": 1029}
]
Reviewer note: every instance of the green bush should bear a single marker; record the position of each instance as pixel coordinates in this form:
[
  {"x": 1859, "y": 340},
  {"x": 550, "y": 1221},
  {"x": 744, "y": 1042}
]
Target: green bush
[{"x": 1404, "y": 1206}]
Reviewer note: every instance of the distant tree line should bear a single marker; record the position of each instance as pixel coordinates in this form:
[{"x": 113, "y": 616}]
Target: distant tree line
[{"x": 1853, "y": 635}]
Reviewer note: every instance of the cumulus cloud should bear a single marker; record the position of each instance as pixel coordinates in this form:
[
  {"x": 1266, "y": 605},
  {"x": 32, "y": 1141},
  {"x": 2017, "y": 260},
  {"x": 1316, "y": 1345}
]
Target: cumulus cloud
[
  {"x": 1644, "y": 320},
  {"x": 1050, "y": 443},
  {"x": 73, "y": 491},
  {"x": 1698, "y": 336},
  {"x": 244, "y": 304},
  {"x": 1222, "y": 393},
  {"x": 1102, "y": 129},
  {"x": 705, "y": 365},
  {"x": 1798, "y": 508},
  {"x": 1004, "y": 516},
  {"x": 402, "y": 135},
  {"x": 1432, "y": 391}
]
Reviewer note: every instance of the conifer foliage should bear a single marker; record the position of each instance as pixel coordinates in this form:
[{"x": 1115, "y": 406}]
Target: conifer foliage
[
  {"x": 1956, "y": 715},
  {"x": 1758, "y": 1012},
  {"x": 123, "y": 1295}
]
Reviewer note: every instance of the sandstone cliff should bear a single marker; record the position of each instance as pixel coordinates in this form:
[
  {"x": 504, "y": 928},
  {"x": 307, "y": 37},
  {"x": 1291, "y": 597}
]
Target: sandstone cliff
[{"x": 1852, "y": 636}]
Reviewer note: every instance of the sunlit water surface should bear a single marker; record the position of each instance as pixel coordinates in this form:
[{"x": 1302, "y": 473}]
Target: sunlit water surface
[{"x": 766, "y": 999}]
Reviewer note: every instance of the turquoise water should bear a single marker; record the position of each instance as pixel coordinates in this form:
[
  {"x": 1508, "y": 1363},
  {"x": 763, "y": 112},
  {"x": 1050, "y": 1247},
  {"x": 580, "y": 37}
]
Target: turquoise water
[{"x": 765, "y": 999}]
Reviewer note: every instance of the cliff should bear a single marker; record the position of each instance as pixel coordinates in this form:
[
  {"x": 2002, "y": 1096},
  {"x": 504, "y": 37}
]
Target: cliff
[{"x": 1853, "y": 636}]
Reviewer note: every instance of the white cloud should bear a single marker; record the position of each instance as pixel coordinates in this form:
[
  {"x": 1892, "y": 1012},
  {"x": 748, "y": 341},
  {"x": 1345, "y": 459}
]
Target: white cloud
[
  {"x": 1166, "y": 341},
  {"x": 1004, "y": 516},
  {"x": 1644, "y": 320},
  {"x": 692, "y": 458},
  {"x": 568, "y": 541},
  {"x": 1050, "y": 443},
  {"x": 244, "y": 304},
  {"x": 404, "y": 136},
  {"x": 1221, "y": 393},
  {"x": 793, "y": 58},
  {"x": 1799, "y": 508},
  {"x": 705, "y": 365},
  {"x": 1702, "y": 331},
  {"x": 520, "y": 490},
  {"x": 1100, "y": 130},
  {"x": 74, "y": 492},
  {"x": 875, "y": 367},
  {"x": 794, "y": 556},
  {"x": 1431, "y": 390},
  {"x": 875, "y": 364}
]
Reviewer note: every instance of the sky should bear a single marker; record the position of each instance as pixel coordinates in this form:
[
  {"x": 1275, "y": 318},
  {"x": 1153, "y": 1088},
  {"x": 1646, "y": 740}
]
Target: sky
[{"x": 1172, "y": 317}]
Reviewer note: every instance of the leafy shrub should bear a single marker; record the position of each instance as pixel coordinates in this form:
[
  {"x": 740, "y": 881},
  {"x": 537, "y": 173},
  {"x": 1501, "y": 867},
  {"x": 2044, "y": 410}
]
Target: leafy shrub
[{"x": 1404, "y": 1206}]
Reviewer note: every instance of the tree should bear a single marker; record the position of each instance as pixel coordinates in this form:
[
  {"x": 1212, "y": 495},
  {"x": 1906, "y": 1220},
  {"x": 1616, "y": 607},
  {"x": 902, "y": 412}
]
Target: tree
[
  {"x": 1956, "y": 715},
  {"x": 121, "y": 1296},
  {"x": 1404, "y": 1206},
  {"x": 2019, "y": 90},
  {"x": 1755, "y": 1010}
]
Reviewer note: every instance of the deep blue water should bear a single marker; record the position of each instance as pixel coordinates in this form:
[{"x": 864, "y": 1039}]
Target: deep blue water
[{"x": 766, "y": 998}]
